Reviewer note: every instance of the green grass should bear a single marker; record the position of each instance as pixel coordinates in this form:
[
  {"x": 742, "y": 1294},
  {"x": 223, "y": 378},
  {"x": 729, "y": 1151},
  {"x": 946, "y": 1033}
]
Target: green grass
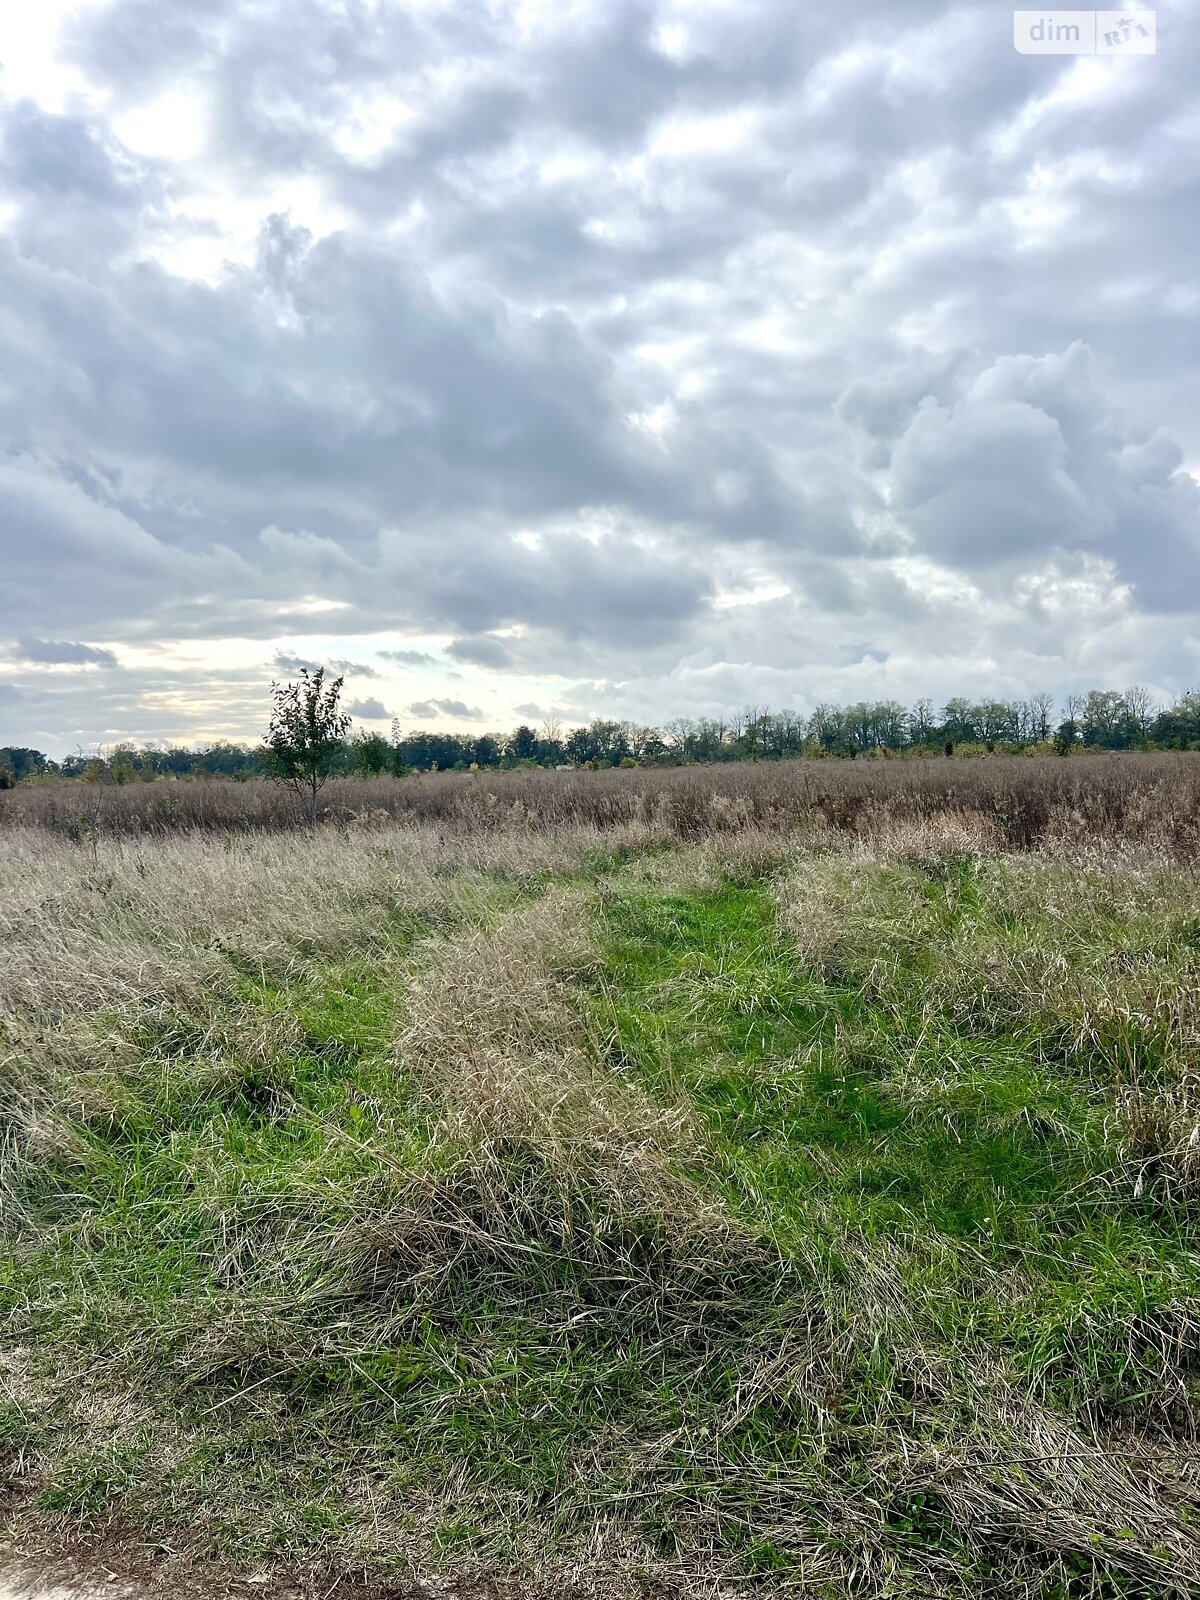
[
  {"x": 794, "y": 1290},
  {"x": 834, "y": 1113},
  {"x": 799, "y": 1077}
]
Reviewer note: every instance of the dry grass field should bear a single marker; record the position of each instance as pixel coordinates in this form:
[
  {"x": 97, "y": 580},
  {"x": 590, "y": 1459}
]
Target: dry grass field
[
  {"x": 1142, "y": 798},
  {"x": 752, "y": 1178}
]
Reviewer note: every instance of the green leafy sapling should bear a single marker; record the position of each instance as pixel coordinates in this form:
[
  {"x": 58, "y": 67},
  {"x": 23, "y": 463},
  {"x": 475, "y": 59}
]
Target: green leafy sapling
[{"x": 306, "y": 738}]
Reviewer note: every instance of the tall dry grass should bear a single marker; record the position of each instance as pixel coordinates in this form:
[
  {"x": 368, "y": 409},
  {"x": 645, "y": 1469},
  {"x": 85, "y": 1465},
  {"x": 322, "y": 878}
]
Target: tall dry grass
[
  {"x": 143, "y": 945},
  {"x": 1145, "y": 799}
]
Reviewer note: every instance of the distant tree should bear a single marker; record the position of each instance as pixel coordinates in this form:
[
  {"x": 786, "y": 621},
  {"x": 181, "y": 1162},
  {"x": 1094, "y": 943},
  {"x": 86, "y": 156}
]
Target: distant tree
[
  {"x": 787, "y": 733},
  {"x": 601, "y": 741},
  {"x": 920, "y": 722},
  {"x": 122, "y": 761},
  {"x": 27, "y": 763},
  {"x": 1106, "y": 720},
  {"x": 713, "y": 736},
  {"x": 648, "y": 744},
  {"x": 996, "y": 719},
  {"x": 223, "y": 758},
  {"x": 1041, "y": 716},
  {"x": 860, "y": 727},
  {"x": 1178, "y": 726},
  {"x": 1066, "y": 735},
  {"x": 748, "y": 730},
  {"x": 523, "y": 745},
  {"x": 1141, "y": 709},
  {"x": 305, "y": 739},
  {"x": 827, "y": 727},
  {"x": 959, "y": 720},
  {"x": 681, "y": 735},
  {"x": 21, "y": 762},
  {"x": 371, "y": 754},
  {"x": 578, "y": 745},
  {"x": 550, "y": 738},
  {"x": 891, "y": 725}
]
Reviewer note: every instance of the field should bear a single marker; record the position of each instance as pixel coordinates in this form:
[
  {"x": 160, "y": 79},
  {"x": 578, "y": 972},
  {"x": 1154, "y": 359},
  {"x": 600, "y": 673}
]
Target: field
[
  {"x": 1147, "y": 798},
  {"x": 777, "y": 1178}
]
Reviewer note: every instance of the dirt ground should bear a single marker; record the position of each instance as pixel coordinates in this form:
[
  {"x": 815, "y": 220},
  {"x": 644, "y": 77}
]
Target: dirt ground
[
  {"x": 122, "y": 1573},
  {"x": 25, "y": 1576}
]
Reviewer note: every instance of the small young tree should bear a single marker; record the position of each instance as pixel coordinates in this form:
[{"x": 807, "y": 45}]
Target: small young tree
[{"x": 305, "y": 738}]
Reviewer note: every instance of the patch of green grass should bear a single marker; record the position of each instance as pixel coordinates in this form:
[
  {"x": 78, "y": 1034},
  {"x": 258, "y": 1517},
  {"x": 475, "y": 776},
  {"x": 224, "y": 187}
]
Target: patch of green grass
[
  {"x": 801, "y": 1077},
  {"x": 87, "y": 1488},
  {"x": 836, "y": 1112}
]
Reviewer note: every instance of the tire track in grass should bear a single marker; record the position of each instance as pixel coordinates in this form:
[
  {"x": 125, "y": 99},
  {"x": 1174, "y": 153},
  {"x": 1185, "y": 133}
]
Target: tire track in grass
[
  {"x": 805, "y": 1081},
  {"x": 959, "y": 1175}
]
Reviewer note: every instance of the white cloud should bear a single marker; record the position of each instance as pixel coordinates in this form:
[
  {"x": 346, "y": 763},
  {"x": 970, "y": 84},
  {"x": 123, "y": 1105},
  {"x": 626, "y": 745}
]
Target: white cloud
[{"x": 172, "y": 126}]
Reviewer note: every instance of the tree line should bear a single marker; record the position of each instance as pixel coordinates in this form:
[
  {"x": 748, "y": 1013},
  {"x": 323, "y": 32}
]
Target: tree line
[{"x": 1102, "y": 719}]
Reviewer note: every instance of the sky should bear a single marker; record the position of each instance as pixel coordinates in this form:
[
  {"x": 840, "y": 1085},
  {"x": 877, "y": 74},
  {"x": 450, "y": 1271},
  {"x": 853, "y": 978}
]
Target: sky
[{"x": 638, "y": 358}]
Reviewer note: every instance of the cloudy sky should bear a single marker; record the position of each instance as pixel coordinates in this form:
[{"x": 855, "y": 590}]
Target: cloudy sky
[{"x": 637, "y": 357}]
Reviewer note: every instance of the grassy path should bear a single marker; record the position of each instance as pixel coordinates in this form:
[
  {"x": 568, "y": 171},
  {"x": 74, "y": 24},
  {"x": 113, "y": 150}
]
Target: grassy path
[
  {"x": 571, "y": 1224},
  {"x": 835, "y": 1114},
  {"x": 802, "y": 1080}
]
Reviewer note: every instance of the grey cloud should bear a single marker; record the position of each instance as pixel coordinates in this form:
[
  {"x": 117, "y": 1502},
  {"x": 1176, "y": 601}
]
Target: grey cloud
[
  {"x": 58, "y": 156},
  {"x": 286, "y": 661},
  {"x": 372, "y": 710},
  {"x": 1033, "y": 459},
  {"x": 153, "y": 704},
  {"x": 408, "y": 658},
  {"x": 882, "y": 406},
  {"x": 49, "y": 528},
  {"x": 481, "y": 652},
  {"x": 66, "y": 652},
  {"x": 614, "y": 586},
  {"x": 456, "y": 709},
  {"x": 77, "y": 197},
  {"x": 984, "y": 482}
]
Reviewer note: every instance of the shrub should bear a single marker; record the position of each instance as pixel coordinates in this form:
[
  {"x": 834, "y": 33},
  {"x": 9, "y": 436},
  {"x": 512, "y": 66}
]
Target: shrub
[{"x": 306, "y": 734}]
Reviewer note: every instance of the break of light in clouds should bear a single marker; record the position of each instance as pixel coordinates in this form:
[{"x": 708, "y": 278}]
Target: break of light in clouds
[{"x": 625, "y": 358}]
